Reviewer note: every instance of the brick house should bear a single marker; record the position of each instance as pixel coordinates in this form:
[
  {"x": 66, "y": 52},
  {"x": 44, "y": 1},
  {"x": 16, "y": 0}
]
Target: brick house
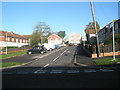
[
  {"x": 54, "y": 39},
  {"x": 11, "y": 39}
]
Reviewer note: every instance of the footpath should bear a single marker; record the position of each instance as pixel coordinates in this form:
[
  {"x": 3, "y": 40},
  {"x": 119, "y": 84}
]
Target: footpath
[{"x": 82, "y": 58}]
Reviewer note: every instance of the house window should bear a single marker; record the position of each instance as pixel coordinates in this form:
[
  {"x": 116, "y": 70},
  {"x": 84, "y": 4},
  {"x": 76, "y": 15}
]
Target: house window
[
  {"x": 119, "y": 24},
  {"x": 56, "y": 38},
  {"x": 20, "y": 40},
  {"x": 12, "y": 39},
  {"x": 8, "y": 39},
  {"x": 16, "y": 40}
]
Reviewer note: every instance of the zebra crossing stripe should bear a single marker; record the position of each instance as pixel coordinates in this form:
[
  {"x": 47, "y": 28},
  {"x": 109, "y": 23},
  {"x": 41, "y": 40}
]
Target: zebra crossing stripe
[
  {"x": 73, "y": 71},
  {"x": 106, "y": 70},
  {"x": 56, "y": 71},
  {"x": 92, "y": 70}
]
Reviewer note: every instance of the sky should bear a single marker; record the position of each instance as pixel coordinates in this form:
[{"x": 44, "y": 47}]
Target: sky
[{"x": 21, "y": 17}]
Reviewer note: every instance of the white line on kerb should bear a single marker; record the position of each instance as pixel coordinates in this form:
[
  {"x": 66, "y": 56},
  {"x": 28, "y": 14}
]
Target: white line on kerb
[
  {"x": 56, "y": 58},
  {"x": 41, "y": 68}
]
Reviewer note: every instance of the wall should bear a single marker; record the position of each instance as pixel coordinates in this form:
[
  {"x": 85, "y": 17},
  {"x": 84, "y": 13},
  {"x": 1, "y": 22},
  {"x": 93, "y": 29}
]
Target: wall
[{"x": 106, "y": 54}]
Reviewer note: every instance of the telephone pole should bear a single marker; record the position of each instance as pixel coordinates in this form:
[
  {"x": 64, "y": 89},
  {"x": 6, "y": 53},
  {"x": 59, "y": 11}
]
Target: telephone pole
[{"x": 94, "y": 21}]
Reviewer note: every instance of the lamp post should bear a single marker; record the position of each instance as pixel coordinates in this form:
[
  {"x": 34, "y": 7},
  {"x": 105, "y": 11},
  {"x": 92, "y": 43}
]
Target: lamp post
[
  {"x": 6, "y": 42},
  {"x": 113, "y": 40},
  {"x": 83, "y": 37}
]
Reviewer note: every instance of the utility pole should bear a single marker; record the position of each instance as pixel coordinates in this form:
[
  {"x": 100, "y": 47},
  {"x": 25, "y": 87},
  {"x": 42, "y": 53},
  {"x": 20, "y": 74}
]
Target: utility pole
[
  {"x": 93, "y": 15},
  {"x": 113, "y": 40},
  {"x": 6, "y": 42}
]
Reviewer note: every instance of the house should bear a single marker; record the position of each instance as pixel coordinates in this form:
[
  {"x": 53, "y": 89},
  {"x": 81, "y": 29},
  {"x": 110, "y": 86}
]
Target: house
[
  {"x": 54, "y": 39},
  {"x": 106, "y": 31},
  {"x": 27, "y": 37},
  {"x": 74, "y": 38},
  {"x": 10, "y": 39}
]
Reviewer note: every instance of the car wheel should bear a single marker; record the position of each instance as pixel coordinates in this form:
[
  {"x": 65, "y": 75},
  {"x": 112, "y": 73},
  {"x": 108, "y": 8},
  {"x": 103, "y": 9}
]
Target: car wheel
[
  {"x": 29, "y": 52},
  {"x": 42, "y": 52}
]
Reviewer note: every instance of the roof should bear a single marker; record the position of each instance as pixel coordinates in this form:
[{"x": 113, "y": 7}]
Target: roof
[
  {"x": 91, "y": 31},
  {"x": 26, "y": 36},
  {"x": 53, "y": 37},
  {"x": 11, "y": 34}
]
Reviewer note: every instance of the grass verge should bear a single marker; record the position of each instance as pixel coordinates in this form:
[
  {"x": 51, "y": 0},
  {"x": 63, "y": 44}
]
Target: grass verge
[
  {"x": 4, "y": 56},
  {"x": 8, "y": 64},
  {"x": 106, "y": 61}
]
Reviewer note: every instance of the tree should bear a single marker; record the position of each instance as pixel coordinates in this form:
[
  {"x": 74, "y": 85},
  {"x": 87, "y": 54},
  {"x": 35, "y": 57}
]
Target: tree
[
  {"x": 40, "y": 34},
  {"x": 91, "y": 26},
  {"x": 61, "y": 34},
  {"x": 34, "y": 39}
]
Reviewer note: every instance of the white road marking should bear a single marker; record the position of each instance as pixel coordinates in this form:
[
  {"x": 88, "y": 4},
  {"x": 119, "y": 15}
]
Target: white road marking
[
  {"x": 63, "y": 52},
  {"x": 106, "y": 70},
  {"x": 73, "y": 71},
  {"x": 56, "y": 58},
  {"x": 56, "y": 71},
  {"x": 48, "y": 64},
  {"x": 40, "y": 69},
  {"x": 91, "y": 70}
]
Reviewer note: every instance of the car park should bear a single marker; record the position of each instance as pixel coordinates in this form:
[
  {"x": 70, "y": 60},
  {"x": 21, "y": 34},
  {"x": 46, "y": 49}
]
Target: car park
[{"x": 37, "y": 49}]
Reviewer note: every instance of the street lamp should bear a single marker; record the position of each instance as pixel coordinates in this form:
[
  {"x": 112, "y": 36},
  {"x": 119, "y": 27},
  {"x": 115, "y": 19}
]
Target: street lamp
[
  {"x": 6, "y": 42},
  {"x": 113, "y": 40},
  {"x": 83, "y": 37}
]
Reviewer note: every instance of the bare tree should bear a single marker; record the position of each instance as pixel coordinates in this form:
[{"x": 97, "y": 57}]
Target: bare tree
[{"x": 43, "y": 30}]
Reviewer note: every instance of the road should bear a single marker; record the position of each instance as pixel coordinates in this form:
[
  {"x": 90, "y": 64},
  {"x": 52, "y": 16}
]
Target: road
[{"x": 56, "y": 70}]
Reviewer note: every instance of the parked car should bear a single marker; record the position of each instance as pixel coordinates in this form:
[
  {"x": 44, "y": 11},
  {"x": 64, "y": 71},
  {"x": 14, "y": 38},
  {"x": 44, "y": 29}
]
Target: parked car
[
  {"x": 57, "y": 46},
  {"x": 37, "y": 49},
  {"x": 52, "y": 46},
  {"x": 49, "y": 46}
]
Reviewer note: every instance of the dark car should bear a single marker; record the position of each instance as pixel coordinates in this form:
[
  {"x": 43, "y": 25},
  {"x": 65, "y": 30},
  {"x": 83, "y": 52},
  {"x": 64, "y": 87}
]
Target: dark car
[{"x": 37, "y": 49}]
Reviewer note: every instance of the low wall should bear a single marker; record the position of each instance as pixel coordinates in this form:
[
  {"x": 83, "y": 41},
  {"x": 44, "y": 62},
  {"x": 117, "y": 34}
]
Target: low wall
[
  {"x": 14, "y": 51},
  {"x": 106, "y": 54}
]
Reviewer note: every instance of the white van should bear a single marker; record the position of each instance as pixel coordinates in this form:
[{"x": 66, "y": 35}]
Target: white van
[{"x": 49, "y": 46}]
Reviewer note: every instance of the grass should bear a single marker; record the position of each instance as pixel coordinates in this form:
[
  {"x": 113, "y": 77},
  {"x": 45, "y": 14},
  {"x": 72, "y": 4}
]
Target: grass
[
  {"x": 106, "y": 61},
  {"x": 4, "y": 56},
  {"x": 8, "y": 64}
]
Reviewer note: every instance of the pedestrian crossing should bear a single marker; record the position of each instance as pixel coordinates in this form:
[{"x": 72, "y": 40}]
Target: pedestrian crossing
[{"x": 59, "y": 71}]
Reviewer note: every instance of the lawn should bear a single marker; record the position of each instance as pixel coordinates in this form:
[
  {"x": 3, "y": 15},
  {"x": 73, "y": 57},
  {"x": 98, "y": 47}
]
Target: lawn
[
  {"x": 4, "y": 56},
  {"x": 107, "y": 61},
  {"x": 8, "y": 64}
]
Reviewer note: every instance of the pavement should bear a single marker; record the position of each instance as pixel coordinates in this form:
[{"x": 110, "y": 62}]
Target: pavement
[{"x": 83, "y": 59}]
